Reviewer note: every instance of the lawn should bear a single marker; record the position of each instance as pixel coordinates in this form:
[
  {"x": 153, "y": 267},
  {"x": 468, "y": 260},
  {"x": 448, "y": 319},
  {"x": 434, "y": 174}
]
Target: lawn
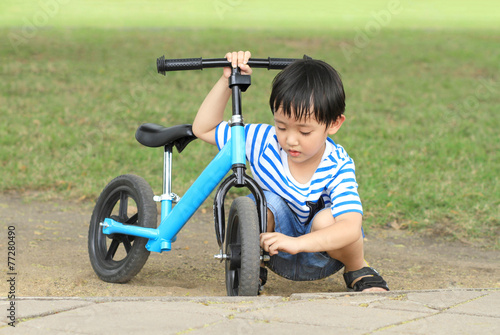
[{"x": 422, "y": 97}]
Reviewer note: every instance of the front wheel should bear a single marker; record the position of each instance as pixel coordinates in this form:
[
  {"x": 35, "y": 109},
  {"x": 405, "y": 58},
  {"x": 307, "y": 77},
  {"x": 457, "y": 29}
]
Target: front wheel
[
  {"x": 243, "y": 249},
  {"x": 116, "y": 258}
]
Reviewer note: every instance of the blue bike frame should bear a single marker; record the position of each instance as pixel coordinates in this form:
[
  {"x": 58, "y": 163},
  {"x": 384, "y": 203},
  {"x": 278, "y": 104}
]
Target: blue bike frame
[
  {"x": 232, "y": 156},
  {"x": 173, "y": 219}
]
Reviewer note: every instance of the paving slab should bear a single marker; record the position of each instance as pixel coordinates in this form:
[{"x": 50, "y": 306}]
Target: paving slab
[
  {"x": 441, "y": 300},
  {"x": 446, "y": 324},
  {"x": 335, "y": 315},
  {"x": 474, "y": 311},
  {"x": 487, "y": 304},
  {"x": 126, "y": 317},
  {"x": 42, "y": 307}
]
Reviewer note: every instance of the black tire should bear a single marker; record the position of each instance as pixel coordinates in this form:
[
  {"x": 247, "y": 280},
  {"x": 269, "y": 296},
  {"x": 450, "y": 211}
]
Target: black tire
[
  {"x": 243, "y": 249},
  {"x": 116, "y": 258}
]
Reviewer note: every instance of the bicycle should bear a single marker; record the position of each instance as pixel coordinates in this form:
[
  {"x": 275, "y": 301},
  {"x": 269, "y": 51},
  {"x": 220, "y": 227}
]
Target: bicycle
[{"x": 112, "y": 225}]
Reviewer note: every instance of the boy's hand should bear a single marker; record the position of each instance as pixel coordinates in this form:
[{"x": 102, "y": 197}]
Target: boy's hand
[
  {"x": 238, "y": 59},
  {"x": 274, "y": 242}
]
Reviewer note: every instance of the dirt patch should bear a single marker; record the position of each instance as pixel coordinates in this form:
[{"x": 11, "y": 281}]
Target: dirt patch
[{"x": 52, "y": 259}]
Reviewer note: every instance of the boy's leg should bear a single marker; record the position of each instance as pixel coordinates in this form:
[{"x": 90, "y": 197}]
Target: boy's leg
[
  {"x": 352, "y": 255},
  {"x": 312, "y": 266},
  {"x": 270, "y": 221}
]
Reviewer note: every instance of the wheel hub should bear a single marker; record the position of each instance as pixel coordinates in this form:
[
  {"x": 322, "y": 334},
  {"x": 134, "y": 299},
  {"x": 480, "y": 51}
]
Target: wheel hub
[{"x": 233, "y": 253}]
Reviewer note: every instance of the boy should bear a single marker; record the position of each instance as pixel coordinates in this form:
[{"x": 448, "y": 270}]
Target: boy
[{"x": 314, "y": 210}]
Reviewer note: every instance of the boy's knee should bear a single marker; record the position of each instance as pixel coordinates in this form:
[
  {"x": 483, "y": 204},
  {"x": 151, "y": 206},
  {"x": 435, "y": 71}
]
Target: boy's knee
[{"x": 322, "y": 220}]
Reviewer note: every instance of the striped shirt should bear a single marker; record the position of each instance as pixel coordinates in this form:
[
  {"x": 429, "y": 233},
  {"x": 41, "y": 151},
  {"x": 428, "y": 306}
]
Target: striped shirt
[{"x": 334, "y": 180}]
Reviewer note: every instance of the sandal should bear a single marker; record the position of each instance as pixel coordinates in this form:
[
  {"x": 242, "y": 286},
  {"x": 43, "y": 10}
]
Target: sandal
[{"x": 373, "y": 280}]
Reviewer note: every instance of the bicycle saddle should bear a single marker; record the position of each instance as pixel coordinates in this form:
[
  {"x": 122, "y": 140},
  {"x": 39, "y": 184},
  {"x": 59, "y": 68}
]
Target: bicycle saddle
[{"x": 153, "y": 135}]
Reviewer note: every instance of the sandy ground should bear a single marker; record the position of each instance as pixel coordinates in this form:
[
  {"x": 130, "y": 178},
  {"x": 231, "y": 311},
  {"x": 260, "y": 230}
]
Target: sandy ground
[{"x": 52, "y": 259}]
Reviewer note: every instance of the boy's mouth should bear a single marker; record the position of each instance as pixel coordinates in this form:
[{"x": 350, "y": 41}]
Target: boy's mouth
[{"x": 293, "y": 153}]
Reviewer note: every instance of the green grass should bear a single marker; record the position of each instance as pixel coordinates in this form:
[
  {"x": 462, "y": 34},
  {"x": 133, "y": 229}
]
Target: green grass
[
  {"x": 279, "y": 14},
  {"x": 422, "y": 109}
]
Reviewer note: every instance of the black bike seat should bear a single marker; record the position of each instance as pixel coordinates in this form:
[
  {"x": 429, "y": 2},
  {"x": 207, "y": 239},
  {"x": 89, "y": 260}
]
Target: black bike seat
[{"x": 153, "y": 135}]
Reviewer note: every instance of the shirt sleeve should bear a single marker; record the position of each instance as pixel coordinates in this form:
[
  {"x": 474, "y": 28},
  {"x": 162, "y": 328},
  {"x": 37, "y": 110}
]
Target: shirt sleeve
[
  {"x": 343, "y": 191},
  {"x": 222, "y": 134},
  {"x": 257, "y": 137}
]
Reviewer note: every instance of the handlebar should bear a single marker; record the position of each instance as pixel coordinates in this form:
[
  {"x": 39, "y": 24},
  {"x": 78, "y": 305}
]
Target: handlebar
[{"x": 164, "y": 65}]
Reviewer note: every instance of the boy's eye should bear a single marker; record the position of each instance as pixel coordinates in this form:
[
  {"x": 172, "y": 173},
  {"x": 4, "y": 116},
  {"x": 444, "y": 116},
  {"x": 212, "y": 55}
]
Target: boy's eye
[
  {"x": 305, "y": 133},
  {"x": 280, "y": 128}
]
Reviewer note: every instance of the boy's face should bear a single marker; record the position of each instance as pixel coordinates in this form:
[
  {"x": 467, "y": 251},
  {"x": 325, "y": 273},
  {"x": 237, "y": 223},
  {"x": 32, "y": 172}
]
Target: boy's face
[{"x": 304, "y": 139}]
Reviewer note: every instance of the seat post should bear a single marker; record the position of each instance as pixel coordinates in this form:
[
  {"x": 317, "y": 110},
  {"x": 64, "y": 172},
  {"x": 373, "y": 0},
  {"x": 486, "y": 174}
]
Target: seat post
[
  {"x": 167, "y": 171},
  {"x": 167, "y": 197}
]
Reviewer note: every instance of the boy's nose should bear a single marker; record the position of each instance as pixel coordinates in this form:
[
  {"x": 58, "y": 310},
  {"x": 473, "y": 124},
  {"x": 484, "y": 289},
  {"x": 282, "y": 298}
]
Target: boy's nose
[{"x": 291, "y": 140}]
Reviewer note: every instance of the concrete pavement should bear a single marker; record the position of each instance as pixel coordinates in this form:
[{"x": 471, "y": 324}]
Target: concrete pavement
[{"x": 452, "y": 311}]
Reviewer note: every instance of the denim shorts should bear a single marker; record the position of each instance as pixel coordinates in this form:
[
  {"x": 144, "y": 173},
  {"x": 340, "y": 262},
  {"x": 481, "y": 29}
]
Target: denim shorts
[{"x": 303, "y": 266}]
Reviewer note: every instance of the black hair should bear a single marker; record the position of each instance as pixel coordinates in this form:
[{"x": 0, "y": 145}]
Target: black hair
[{"x": 309, "y": 87}]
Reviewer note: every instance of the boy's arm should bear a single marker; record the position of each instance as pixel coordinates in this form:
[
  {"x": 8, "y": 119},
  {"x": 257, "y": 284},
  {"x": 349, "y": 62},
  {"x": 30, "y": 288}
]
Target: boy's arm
[
  {"x": 345, "y": 230},
  {"x": 211, "y": 111}
]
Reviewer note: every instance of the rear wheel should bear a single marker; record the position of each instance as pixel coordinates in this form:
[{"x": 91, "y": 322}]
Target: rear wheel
[
  {"x": 243, "y": 249},
  {"x": 116, "y": 258}
]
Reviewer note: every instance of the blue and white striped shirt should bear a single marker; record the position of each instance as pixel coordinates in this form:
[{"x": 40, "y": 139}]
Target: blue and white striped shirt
[{"x": 334, "y": 179}]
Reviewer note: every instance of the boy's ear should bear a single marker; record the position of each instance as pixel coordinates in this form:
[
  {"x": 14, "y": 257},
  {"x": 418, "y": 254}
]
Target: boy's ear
[{"x": 334, "y": 127}]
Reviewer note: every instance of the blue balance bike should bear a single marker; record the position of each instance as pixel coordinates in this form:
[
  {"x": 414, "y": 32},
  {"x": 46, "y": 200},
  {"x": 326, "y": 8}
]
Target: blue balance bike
[{"x": 123, "y": 230}]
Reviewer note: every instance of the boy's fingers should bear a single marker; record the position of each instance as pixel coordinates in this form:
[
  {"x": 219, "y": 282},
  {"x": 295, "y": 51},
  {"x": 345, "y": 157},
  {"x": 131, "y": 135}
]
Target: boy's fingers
[
  {"x": 238, "y": 58},
  {"x": 234, "y": 59},
  {"x": 267, "y": 240},
  {"x": 229, "y": 57},
  {"x": 247, "y": 57},
  {"x": 264, "y": 241},
  {"x": 241, "y": 57}
]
